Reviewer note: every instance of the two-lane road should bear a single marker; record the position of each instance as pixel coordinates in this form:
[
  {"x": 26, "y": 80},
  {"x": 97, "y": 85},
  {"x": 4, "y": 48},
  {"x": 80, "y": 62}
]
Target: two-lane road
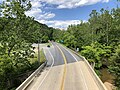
[
  {"x": 78, "y": 76},
  {"x": 65, "y": 71}
]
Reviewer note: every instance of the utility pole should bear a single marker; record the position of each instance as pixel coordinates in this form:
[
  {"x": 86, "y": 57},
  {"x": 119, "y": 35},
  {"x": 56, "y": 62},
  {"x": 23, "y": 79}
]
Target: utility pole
[{"x": 38, "y": 51}]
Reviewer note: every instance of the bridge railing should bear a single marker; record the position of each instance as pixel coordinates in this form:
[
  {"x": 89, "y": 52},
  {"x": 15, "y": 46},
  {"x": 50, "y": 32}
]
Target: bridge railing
[
  {"x": 25, "y": 84},
  {"x": 94, "y": 75}
]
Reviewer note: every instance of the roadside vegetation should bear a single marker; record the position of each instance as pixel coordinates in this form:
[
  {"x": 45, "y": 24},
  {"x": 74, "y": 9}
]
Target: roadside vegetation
[
  {"x": 42, "y": 56},
  {"x": 17, "y": 34},
  {"x": 98, "y": 40}
]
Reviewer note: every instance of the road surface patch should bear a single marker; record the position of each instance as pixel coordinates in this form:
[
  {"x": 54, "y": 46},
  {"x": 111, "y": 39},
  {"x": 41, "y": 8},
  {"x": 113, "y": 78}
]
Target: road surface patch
[{"x": 65, "y": 69}]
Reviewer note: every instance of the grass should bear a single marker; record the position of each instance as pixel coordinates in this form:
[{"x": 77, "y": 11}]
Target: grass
[
  {"x": 42, "y": 56},
  {"x": 35, "y": 58},
  {"x": 48, "y": 44}
]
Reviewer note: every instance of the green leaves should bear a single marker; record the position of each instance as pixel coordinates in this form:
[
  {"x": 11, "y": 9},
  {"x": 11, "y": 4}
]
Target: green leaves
[
  {"x": 15, "y": 8},
  {"x": 98, "y": 54},
  {"x": 17, "y": 33},
  {"x": 15, "y": 50},
  {"x": 69, "y": 40},
  {"x": 92, "y": 53},
  {"x": 114, "y": 67}
]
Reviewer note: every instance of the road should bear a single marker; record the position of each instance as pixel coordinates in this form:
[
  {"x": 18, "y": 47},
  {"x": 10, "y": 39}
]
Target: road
[{"x": 64, "y": 71}]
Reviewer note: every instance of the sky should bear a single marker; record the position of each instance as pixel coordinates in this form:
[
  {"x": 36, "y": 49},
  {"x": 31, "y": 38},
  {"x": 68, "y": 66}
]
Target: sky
[{"x": 61, "y": 13}]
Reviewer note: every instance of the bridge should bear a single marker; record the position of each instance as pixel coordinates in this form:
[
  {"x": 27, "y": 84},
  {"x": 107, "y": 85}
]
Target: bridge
[{"x": 65, "y": 70}]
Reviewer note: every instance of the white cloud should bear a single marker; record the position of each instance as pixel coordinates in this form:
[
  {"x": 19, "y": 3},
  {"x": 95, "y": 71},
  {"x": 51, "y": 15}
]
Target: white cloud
[
  {"x": 34, "y": 12},
  {"x": 46, "y": 16},
  {"x": 105, "y": 1},
  {"x": 36, "y": 3},
  {"x": 72, "y": 3},
  {"x": 38, "y": 6},
  {"x": 2, "y": 0},
  {"x": 60, "y": 23},
  {"x": 37, "y": 12}
]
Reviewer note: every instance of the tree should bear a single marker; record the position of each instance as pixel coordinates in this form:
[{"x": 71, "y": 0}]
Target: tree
[
  {"x": 115, "y": 66},
  {"x": 14, "y": 50},
  {"x": 69, "y": 40},
  {"x": 79, "y": 32}
]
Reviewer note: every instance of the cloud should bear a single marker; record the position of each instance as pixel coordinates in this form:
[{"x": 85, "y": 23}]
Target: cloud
[
  {"x": 37, "y": 12},
  {"x": 72, "y": 3},
  {"x": 2, "y": 0},
  {"x": 34, "y": 12},
  {"x": 46, "y": 16},
  {"x": 105, "y": 1},
  {"x": 38, "y": 7},
  {"x": 62, "y": 24},
  {"x": 36, "y": 3}
]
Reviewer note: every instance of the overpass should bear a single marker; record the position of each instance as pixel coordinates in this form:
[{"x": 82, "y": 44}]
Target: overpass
[{"x": 65, "y": 70}]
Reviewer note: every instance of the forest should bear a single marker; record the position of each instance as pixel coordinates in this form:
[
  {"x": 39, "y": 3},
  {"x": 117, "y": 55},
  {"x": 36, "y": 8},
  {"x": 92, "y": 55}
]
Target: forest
[
  {"x": 17, "y": 34},
  {"x": 98, "y": 41}
]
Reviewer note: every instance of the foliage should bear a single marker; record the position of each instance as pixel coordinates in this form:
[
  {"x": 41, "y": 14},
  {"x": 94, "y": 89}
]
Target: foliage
[
  {"x": 97, "y": 53},
  {"x": 57, "y": 34},
  {"x": 14, "y": 49},
  {"x": 79, "y": 32},
  {"x": 69, "y": 40},
  {"x": 42, "y": 56},
  {"x": 17, "y": 33},
  {"x": 115, "y": 65}
]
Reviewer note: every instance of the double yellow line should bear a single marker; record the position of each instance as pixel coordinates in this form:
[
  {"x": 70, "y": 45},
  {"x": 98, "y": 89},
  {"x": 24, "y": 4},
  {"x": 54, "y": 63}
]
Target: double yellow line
[{"x": 65, "y": 69}]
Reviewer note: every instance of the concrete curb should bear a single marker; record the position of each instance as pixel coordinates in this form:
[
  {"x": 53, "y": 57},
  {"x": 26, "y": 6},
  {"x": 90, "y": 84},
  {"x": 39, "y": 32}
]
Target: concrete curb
[
  {"x": 95, "y": 76},
  {"x": 27, "y": 82}
]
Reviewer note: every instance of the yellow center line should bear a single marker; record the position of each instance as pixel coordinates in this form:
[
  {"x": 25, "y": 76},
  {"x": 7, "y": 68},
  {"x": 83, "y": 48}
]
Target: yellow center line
[{"x": 65, "y": 69}]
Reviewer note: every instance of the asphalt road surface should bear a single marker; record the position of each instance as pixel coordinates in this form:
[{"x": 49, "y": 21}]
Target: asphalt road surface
[{"x": 64, "y": 71}]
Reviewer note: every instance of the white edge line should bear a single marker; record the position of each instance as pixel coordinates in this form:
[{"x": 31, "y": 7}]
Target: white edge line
[
  {"x": 71, "y": 54},
  {"x": 80, "y": 68},
  {"x": 47, "y": 72}
]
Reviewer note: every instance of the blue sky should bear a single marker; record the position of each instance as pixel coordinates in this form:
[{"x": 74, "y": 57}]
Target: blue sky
[
  {"x": 61, "y": 13},
  {"x": 82, "y": 12}
]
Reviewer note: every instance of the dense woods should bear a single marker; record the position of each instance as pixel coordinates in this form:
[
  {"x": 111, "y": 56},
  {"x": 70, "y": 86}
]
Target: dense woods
[
  {"x": 98, "y": 40},
  {"x": 17, "y": 33}
]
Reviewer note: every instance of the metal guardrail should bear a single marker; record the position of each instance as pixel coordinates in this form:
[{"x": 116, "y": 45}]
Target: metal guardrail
[
  {"x": 25, "y": 84},
  {"x": 95, "y": 76}
]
